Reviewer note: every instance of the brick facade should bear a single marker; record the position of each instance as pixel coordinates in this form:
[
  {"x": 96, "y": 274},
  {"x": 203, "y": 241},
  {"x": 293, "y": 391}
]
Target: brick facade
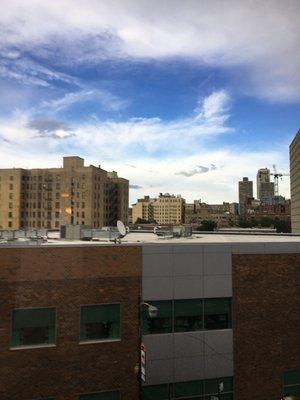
[
  {"x": 266, "y": 323},
  {"x": 66, "y": 278}
]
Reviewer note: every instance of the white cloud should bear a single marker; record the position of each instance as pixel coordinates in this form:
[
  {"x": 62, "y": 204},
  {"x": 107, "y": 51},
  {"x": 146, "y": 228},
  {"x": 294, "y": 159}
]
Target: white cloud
[
  {"x": 108, "y": 100},
  {"x": 259, "y": 36},
  {"x": 134, "y": 148}
]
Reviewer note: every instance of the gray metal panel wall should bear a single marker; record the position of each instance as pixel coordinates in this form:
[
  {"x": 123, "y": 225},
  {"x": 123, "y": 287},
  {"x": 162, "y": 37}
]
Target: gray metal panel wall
[{"x": 186, "y": 271}]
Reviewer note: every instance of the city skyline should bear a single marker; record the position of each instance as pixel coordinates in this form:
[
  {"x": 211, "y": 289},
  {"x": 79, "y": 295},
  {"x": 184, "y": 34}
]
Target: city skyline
[{"x": 180, "y": 98}]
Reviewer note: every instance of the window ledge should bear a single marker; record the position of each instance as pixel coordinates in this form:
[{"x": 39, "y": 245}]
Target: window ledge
[
  {"x": 99, "y": 341},
  {"x": 35, "y": 346}
]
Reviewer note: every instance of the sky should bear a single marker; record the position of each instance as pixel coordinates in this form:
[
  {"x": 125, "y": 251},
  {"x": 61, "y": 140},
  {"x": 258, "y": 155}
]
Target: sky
[{"x": 185, "y": 97}]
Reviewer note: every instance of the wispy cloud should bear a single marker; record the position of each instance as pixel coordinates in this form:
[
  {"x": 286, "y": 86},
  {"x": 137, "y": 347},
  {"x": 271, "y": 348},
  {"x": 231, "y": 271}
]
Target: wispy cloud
[
  {"x": 50, "y": 128},
  {"x": 200, "y": 169},
  {"x": 147, "y": 137},
  {"x": 105, "y": 98},
  {"x": 135, "y": 187},
  {"x": 241, "y": 35},
  {"x": 14, "y": 65}
]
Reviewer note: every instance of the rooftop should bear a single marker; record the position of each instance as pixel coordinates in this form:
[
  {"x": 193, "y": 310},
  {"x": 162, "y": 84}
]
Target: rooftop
[{"x": 252, "y": 242}]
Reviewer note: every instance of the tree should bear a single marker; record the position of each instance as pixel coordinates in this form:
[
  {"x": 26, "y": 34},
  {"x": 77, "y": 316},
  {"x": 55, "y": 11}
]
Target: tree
[
  {"x": 144, "y": 221},
  {"x": 207, "y": 225},
  {"x": 282, "y": 226}
]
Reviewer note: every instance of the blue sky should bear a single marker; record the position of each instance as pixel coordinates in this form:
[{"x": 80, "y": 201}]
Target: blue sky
[{"x": 181, "y": 97}]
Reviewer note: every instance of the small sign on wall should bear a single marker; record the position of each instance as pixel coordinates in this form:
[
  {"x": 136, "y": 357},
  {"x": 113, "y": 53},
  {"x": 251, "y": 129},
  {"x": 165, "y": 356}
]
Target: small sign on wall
[{"x": 143, "y": 362}]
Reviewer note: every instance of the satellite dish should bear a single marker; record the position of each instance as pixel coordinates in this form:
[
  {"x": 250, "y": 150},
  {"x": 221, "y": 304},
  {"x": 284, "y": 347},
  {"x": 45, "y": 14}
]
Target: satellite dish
[{"x": 121, "y": 228}]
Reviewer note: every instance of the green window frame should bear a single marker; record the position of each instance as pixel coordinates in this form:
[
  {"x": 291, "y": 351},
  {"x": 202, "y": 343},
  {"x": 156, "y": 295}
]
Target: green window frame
[
  {"x": 291, "y": 382},
  {"x": 217, "y": 313},
  {"x": 188, "y": 315},
  {"x": 33, "y": 327},
  {"x": 108, "y": 395},
  {"x": 162, "y": 323},
  {"x": 100, "y": 322}
]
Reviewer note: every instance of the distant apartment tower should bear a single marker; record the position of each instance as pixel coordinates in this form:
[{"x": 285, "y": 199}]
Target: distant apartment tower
[
  {"x": 166, "y": 209},
  {"x": 73, "y": 194},
  {"x": 245, "y": 193},
  {"x": 295, "y": 183},
  {"x": 265, "y": 188}
]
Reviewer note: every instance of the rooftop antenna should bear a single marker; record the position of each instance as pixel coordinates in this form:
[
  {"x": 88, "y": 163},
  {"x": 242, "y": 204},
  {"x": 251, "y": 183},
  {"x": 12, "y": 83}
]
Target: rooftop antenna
[{"x": 121, "y": 228}]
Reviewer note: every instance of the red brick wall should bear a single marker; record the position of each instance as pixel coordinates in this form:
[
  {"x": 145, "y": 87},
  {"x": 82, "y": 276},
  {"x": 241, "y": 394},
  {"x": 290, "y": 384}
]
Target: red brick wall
[
  {"x": 65, "y": 278},
  {"x": 266, "y": 298}
]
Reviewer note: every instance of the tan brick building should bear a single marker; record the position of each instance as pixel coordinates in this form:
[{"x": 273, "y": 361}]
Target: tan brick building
[
  {"x": 166, "y": 209},
  {"x": 74, "y": 194},
  {"x": 295, "y": 182}
]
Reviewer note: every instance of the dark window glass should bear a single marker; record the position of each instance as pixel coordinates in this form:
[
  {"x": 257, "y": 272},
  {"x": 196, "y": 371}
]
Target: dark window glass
[
  {"x": 292, "y": 377},
  {"x": 156, "y": 392},
  {"x": 162, "y": 323},
  {"x": 293, "y": 390},
  {"x": 100, "y": 322},
  {"x": 33, "y": 326},
  {"x": 212, "y": 386},
  {"x": 292, "y": 383},
  {"x": 217, "y": 313},
  {"x": 188, "y": 315},
  {"x": 115, "y": 395},
  {"x": 193, "y": 388}
]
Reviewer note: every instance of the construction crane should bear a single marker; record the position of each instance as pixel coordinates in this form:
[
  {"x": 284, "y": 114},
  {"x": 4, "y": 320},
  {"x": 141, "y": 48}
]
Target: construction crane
[{"x": 277, "y": 175}]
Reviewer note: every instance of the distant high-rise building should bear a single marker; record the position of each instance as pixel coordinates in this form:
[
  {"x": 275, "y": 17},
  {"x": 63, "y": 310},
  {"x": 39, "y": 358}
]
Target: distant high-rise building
[
  {"x": 295, "y": 183},
  {"x": 265, "y": 188},
  {"x": 245, "y": 194},
  {"x": 74, "y": 194}
]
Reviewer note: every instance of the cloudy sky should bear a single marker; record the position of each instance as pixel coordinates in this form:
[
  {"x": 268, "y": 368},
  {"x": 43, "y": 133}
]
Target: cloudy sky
[{"x": 177, "y": 96}]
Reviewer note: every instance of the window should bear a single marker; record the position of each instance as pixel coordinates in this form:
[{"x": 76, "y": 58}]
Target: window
[
  {"x": 9, "y": 224},
  {"x": 11, "y": 186},
  {"x": 291, "y": 381},
  {"x": 182, "y": 389},
  {"x": 162, "y": 323},
  {"x": 33, "y": 326},
  {"x": 10, "y": 205},
  {"x": 217, "y": 313},
  {"x": 113, "y": 395},
  {"x": 212, "y": 386},
  {"x": 11, "y": 178},
  {"x": 100, "y": 322},
  {"x": 155, "y": 392},
  {"x": 10, "y": 214},
  {"x": 188, "y": 315},
  {"x": 221, "y": 388}
]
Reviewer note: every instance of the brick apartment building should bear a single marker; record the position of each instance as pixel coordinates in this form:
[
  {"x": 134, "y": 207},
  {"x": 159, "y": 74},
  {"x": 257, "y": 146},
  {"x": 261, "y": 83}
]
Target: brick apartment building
[
  {"x": 227, "y": 327},
  {"x": 74, "y": 194}
]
